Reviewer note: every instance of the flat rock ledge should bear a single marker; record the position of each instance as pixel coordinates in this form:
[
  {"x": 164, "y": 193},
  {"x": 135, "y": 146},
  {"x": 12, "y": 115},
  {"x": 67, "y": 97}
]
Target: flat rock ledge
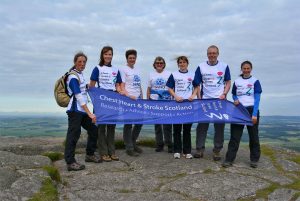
[{"x": 151, "y": 176}]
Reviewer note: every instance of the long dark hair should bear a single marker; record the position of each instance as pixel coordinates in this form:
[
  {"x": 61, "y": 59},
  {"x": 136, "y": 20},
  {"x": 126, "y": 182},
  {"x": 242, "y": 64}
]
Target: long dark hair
[
  {"x": 245, "y": 62},
  {"x": 77, "y": 55},
  {"x": 103, "y": 51}
]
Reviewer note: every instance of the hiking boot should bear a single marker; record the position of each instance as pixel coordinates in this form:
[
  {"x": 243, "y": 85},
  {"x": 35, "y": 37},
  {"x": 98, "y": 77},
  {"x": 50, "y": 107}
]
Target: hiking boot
[
  {"x": 159, "y": 148},
  {"x": 177, "y": 155},
  {"x": 198, "y": 154},
  {"x": 75, "y": 166},
  {"x": 106, "y": 158},
  {"x": 131, "y": 153},
  {"x": 217, "y": 156},
  {"x": 253, "y": 164},
  {"x": 137, "y": 149},
  {"x": 170, "y": 149},
  {"x": 226, "y": 164},
  {"x": 92, "y": 158},
  {"x": 114, "y": 157}
]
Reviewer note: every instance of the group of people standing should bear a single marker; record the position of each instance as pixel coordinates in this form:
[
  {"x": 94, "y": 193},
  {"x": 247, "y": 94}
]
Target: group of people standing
[{"x": 211, "y": 80}]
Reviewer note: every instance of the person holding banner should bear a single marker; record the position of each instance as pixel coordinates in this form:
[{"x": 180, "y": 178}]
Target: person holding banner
[
  {"x": 215, "y": 81},
  {"x": 157, "y": 90},
  {"x": 107, "y": 77},
  {"x": 131, "y": 87},
  {"x": 79, "y": 115},
  {"x": 246, "y": 90},
  {"x": 180, "y": 85}
]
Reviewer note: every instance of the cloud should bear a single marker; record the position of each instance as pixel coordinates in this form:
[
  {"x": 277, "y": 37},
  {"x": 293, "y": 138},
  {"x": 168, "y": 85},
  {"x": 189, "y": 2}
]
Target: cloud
[{"x": 39, "y": 40}]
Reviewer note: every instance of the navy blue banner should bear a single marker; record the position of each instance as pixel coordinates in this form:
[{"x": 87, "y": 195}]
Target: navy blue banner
[{"x": 113, "y": 108}]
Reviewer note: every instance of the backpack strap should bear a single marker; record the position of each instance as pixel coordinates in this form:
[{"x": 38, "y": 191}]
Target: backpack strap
[{"x": 72, "y": 72}]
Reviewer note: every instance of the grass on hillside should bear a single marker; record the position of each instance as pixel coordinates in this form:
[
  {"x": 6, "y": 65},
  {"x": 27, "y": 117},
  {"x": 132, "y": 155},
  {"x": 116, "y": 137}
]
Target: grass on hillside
[
  {"x": 53, "y": 173},
  {"x": 295, "y": 185},
  {"x": 54, "y": 156},
  {"x": 48, "y": 192}
]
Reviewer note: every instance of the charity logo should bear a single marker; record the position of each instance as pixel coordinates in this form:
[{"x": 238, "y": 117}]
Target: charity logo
[
  {"x": 114, "y": 73},
  {"x": 220, "y": 78},
  {"x": 160, "y": 82},
  {"x": 136, "y": 78},
  {"x": 249, "y": 86},
  {"x": 190, "y": 79}
]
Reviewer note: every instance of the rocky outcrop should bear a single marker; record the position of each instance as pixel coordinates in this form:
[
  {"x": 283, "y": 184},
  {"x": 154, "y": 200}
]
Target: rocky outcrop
[
  {"x": 151, "y": 176},
  {"x": 21, "y": 176}
]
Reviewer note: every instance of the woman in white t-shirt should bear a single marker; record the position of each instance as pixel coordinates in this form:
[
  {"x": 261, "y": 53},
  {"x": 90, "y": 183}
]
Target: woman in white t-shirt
[
  {"x": 79, "y": 116},
  {"x": 246, "y": 90},
  {"x": 107, "y": 77},
  {"x": 180, "y": 85},
  {"x": 157, "y": 90},
  {"x": 131, "y": 87}
]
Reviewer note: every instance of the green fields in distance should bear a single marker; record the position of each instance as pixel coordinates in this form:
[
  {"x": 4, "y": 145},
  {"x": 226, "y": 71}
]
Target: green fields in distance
[{"x": 281, "y": 130}]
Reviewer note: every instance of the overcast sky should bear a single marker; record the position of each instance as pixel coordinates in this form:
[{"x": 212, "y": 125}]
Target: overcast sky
[{"x": 40, "y": 38}]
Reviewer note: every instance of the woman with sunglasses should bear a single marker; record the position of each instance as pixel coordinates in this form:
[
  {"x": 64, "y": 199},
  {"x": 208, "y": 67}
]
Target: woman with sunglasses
[{"x": 157, "y": 90}]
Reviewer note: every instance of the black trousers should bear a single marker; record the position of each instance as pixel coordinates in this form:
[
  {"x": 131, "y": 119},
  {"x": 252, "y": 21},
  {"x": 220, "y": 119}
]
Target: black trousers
[
  {"x": 163, "y": 134},
  {"x": 236, "y": 132},
  {"x": 185, "y": 144},
  {"x": 75, "y": 121}
]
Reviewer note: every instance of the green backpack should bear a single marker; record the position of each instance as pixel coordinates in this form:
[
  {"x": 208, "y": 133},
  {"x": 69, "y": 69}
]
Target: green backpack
[{"x": 60, "y": 89}]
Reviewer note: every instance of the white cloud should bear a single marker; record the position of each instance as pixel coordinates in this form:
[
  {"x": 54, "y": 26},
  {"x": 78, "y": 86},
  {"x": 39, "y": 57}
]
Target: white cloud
[{"x": 39, "y": 40}]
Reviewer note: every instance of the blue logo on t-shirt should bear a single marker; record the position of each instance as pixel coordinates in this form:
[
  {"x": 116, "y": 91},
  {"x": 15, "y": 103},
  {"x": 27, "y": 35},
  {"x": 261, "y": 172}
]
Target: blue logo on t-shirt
[
  {"x": 136, "y": 78},
  {"x": 160, "y": 81}
]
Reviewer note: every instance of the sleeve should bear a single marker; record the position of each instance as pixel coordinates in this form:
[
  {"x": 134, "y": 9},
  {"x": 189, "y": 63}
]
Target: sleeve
[
  {"x": 227, "y": 76},
  {"x": 256, "y": 104},
  {"x": 122, "y": 73},
  {"x": 74, "y": 86},
  {"x": 257, "y": 93},
  {"x": 95, "y": 74},
  {"x": 119, "y": 79},
  {"x": 233, "y": 91},
  {"x": 171, "y": 82},
  {"x": 198, "y": 77},
  {"x": 257, "y": 87},
  {"x": 80, "y": 99}
]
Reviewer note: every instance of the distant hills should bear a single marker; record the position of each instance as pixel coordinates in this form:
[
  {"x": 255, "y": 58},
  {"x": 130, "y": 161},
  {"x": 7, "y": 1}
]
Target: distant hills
[{"x": 281, "y": 130}]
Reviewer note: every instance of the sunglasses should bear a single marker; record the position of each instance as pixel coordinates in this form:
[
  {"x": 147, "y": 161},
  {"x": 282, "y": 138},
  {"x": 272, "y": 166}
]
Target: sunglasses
[{"x": 160, "y": 63}]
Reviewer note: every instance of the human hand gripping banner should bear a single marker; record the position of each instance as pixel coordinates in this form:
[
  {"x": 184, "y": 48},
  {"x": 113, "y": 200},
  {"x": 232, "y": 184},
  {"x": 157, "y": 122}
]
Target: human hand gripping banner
[{"x": 113, "y": 108}]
